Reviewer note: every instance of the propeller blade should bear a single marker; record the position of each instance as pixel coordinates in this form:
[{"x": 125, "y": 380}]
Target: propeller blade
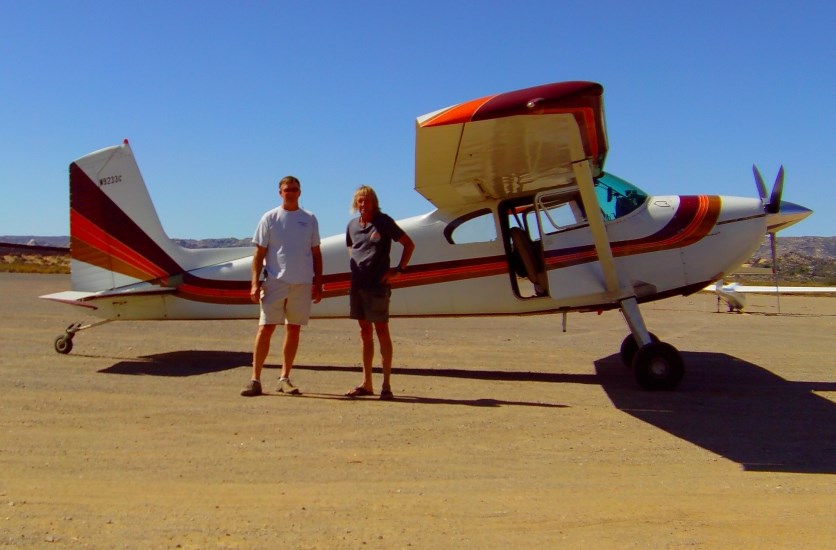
[
  {"x": 773, "y": 245},
  {"x": 759, "y": 182},
  {"x": 774, "y": 204}
]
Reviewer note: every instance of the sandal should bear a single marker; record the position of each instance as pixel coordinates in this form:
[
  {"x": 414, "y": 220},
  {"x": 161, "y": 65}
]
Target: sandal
[
  {"x": 386, "y": 395},
  {"x": 359, "y": 391}
]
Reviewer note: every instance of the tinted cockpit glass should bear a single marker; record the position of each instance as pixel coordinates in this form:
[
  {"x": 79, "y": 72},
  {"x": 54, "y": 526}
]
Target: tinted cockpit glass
[{"x": 617, "y": 197}]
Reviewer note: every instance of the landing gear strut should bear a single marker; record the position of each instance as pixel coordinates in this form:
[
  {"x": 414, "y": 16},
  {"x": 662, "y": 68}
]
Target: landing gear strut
[{"x": 64, "y": 342}]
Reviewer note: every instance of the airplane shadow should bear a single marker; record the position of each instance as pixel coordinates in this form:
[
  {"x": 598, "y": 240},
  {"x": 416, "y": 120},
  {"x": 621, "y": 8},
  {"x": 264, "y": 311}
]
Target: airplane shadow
[
  {"x": 485, "y": 402},
  {"x": 730, "y": 407},
  {"x": 508, "y": 376},
  {"x": 737, "y": 410},
  {"x": 198, "y": 362},
  {"x": 182, "y": 363}
]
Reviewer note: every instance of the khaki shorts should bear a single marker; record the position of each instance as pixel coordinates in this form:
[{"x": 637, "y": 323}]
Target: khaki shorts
[
  {"x": 285, "y": 303},
  {"x": 370, "y": 304}
]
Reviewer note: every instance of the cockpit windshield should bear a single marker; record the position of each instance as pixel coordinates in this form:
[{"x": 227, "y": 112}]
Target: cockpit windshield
[{"x": 617, "y": 197}]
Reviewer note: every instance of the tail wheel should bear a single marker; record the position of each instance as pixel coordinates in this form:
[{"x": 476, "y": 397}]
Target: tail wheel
[
  {"x": 64, "y": 344},
  {"x": 658, "y": 366},
  {"x": 629, "y": 347}
]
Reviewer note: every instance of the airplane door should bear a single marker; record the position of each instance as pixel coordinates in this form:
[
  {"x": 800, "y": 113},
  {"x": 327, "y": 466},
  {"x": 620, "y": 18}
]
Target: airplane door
[{"x": 571, "y": 266}]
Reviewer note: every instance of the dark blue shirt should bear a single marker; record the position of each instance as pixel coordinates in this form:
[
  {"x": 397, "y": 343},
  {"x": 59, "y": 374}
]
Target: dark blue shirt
[{"x": 370, "y": 245}]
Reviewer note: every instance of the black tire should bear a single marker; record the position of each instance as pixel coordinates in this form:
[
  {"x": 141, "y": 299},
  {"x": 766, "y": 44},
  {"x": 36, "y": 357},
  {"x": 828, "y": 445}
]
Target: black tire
[
  {"x": 629, "y": 347},
  {"x": 658, "y": 366},
  {"x": 64, "y": 344}
]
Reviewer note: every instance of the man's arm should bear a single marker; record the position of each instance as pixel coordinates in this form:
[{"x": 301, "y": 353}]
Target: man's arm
[
  {"x": 255, "y": 276},
  {"x": 408, "y": 249},
  {"x": 316, "y": 292}
]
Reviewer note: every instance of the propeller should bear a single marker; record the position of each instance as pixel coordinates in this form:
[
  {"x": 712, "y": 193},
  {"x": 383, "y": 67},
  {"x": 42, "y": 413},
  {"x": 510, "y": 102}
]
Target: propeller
[
  {"x": 773, "y": 246},
  {"x": 772, "y": 206},
  {"x": 759, "y": 182}
]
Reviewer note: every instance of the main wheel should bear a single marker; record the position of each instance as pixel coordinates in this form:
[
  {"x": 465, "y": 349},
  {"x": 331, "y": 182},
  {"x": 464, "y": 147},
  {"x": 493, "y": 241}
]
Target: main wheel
[
  {"x": 658, "y": 366},
  {"x": 64, "y": 344},
  {"x": 629, "y": 347}
]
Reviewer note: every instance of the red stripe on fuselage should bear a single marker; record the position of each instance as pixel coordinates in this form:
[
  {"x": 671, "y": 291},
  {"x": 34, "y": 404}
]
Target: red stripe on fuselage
[
  {"x": 338, "y": 284},
  {"x": 693, "y": 219}
]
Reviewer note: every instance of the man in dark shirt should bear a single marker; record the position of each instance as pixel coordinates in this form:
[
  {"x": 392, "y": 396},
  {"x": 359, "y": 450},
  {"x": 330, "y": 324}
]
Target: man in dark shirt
[{"x": 369, "y": 239}]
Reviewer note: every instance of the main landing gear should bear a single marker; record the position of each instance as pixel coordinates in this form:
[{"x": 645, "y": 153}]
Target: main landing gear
[
  {"x": 64, "y": 342},
  {"x": 657, "y": 365}
]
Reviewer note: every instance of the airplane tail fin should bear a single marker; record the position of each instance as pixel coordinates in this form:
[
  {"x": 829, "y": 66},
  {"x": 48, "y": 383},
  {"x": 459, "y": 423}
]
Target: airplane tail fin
[{"x": 116, "y": 238}]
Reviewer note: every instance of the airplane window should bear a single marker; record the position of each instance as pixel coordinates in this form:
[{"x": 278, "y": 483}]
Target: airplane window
[
  {"x": 557, "y": 210},
  {"x": 559, "y": 214},
  {"x": 475, "y": 227},
  {"x": 617, "y": 197}
]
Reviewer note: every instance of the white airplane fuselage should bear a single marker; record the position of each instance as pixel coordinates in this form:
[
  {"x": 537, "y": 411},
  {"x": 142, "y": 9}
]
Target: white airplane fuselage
[{"x": 477, "y": 278}]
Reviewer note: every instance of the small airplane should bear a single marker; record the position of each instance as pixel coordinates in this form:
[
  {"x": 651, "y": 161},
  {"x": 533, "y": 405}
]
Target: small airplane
[
  {"x": 526, "y": 221},
  {"x": 734, "y": 294}
]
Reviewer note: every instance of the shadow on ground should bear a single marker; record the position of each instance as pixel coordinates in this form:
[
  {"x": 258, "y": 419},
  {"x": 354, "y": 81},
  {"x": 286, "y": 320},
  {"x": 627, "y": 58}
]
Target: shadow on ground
[
  {"x": 737, "y": 410},
  {"x": 198, "y": 362},
  {"x": 182, "y": 363},
  {"x": 730, "y": 407}
]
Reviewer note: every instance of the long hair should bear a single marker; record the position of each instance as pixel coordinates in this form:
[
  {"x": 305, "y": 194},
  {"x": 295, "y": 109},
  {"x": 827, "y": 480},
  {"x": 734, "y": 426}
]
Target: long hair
[{"x": 365, "y": 190}]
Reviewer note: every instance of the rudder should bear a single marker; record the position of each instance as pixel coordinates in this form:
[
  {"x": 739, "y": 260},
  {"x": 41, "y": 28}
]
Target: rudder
[{"x": 116, "y": 238}]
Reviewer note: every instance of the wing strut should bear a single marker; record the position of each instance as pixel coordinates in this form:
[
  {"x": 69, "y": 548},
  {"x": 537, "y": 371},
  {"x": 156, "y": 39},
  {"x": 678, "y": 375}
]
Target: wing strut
[
  {"x": 627, "y": 300},
  {"x": 583, "y": 176}
]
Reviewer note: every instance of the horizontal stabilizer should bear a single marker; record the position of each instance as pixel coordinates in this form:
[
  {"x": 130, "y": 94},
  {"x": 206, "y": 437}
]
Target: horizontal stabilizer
[{"x": 86, "y": 299}]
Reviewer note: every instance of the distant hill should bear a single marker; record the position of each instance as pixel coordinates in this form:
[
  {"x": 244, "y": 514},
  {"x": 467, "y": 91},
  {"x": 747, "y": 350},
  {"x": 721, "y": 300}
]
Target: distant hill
[
  {"x": 228, "y": 242},
  {"x": 801, "y": 260},
  {"x": 64, "y": 242},
  {"x": 31, "y": 240},
  {"x": 815, "y": 247}
]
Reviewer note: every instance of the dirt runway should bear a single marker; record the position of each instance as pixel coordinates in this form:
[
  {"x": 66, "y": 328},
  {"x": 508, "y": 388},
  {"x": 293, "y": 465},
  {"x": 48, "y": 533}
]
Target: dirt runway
[{"x": 505, "y": 432}]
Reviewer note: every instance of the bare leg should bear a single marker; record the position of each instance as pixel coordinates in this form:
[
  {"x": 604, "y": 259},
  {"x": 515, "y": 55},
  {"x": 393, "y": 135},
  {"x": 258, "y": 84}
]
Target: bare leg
[
  {"x": 385, "y": 340},
  {"x": 367, "y": 338},
  {"x": 261, "y": 348},
  {"x": 291, "y": 344}
]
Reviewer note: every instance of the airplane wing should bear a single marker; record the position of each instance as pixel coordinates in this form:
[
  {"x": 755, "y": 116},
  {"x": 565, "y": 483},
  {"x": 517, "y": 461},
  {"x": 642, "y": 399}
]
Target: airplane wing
[
  {"x": 765, "y": 289},
  {"x": 502, "y": 145}
]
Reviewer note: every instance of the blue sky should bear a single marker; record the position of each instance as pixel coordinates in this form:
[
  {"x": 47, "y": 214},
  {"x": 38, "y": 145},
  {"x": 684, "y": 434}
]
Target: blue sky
[{"x": 221, "y": 99}]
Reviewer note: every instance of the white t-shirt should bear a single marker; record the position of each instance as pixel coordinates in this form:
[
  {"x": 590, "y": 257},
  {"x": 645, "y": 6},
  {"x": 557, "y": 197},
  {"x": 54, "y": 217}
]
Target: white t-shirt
[{"x": 288, "y": 236}]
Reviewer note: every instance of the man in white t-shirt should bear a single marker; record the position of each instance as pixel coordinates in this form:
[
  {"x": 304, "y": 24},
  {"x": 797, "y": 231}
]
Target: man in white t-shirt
[{"x": 288, "y": 255}]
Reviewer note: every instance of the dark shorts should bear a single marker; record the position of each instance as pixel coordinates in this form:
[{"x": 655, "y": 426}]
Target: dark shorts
[{"x": 370, "y": 304}]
